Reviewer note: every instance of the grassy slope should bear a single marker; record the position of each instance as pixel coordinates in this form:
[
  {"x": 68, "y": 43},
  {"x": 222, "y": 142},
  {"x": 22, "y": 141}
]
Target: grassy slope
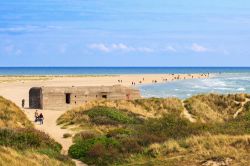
[
  {"x": 21, "y": 144},
  {"x": 11, "y": 116},
  {"x": 162, "y": 136}
]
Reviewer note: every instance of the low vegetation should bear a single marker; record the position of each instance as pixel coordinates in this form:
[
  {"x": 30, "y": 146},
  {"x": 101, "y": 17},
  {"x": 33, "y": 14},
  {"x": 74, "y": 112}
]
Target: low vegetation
[
  {"x": 155, "y": 132},
  {"x": 11, "y": 116},
  {"x": 21, "y": 143}
]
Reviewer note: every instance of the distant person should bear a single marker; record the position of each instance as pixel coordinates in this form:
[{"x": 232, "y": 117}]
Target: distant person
[
  {"x": 36, "y": 116},
  {"x": 41, "y": 118},
  {"x": 23, "y": 103}
]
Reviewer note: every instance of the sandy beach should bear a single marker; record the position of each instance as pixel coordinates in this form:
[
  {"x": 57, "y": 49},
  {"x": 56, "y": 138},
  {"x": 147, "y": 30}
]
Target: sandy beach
[{"x": 16, "y": 88}]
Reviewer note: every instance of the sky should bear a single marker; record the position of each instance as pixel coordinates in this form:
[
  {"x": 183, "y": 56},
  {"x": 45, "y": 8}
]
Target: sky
[{"x": 124, "y": 33}]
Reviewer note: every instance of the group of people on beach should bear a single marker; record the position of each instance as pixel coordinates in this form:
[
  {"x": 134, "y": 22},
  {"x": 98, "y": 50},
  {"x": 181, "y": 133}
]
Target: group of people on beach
[{"x": 39, "y": 117}]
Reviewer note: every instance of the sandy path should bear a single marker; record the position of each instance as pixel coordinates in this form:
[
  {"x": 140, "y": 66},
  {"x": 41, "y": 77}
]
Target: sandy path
[{"x": 50, "y": 127}]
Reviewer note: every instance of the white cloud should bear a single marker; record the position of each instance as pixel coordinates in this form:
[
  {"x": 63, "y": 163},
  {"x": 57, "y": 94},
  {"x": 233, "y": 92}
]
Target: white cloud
[
  {"x": 198, "y": 48},
  {"x": 100, "y": 47},
  {"x": 171, "y": 49},
  {"x": 118, "y": 47}
]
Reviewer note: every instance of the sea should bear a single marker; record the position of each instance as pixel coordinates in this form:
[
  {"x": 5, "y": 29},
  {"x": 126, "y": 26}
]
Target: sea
[{"x": 224, "y": 80}]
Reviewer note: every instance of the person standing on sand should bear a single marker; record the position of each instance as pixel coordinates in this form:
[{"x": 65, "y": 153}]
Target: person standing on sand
[{"x": 23, "y": 103}]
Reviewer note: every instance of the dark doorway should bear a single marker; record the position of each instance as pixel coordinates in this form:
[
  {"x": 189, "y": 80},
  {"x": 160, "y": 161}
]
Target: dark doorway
[
  {"x": 104, "y": 96},
  {"x": 67, "y": 95},
  {"x": 35, "y": 98}
]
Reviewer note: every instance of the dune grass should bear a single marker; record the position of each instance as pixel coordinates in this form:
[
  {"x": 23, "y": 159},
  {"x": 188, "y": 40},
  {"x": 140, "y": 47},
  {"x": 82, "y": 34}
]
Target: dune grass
[
  {"x": 13, "y": 157},
  {"x": 214, "y": 107},
  {"x": 21, "y": 144},
  {"x": 11, "y": 116},
  {"x": 154, "y": 132}
]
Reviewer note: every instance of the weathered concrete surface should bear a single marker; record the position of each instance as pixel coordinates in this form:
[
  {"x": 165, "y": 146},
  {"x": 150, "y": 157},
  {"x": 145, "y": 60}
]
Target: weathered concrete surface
[{"x": 62, "y": 98}]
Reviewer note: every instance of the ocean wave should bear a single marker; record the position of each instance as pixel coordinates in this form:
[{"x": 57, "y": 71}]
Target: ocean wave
[
  {"x": 241, "y": 89},
  {"x": 213, "y": 83}
]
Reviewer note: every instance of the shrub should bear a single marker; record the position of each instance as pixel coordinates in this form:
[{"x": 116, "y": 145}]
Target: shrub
[
  {"x": 247, "y": 96},
  {"x": 240, "y": 97},
  {"x": 67, "y": 135},
  {"x": 81, "y": 148},
  {"x": 130, "y": 145},
  {"x": 98, "y": 151},
  {"x": 246, "y": 106},
  {"x": 120, "y": 132},
  {"x": 84, "y": 135},
  {"x": 169, "y": 126},
  {"x": 27, "y": 138}
]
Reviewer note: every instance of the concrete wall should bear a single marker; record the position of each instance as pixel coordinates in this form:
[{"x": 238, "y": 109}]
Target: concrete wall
[{"x": 54, "y": 98}]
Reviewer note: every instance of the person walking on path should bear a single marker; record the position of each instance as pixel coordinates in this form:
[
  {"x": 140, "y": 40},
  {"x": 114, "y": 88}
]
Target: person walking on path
[{"x": 23, "y": 103}]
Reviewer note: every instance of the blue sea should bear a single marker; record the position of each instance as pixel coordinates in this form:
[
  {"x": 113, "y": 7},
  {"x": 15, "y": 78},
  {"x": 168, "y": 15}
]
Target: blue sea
[{"x": 225, "y": 79}]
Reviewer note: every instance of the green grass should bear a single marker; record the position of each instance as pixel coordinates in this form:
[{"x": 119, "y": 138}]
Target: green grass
[
  {"x": 98, "y": 151},
  {"x": 112, "y": 116}
]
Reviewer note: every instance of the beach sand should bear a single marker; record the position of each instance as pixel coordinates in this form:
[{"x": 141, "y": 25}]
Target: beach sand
[{"x": 17, "y": 88}]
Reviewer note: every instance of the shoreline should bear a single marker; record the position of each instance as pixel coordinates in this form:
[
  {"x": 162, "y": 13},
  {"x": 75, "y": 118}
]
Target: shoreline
[{"x": 17, "y": 88}]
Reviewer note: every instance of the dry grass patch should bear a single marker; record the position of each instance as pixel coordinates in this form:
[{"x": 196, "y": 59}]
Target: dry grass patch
[
  {"x": 214, "y": 107},
  {"x": 11, "y": 157},
  {"x": 11, "y": 116},
  {"x": 198, "y": 150}
]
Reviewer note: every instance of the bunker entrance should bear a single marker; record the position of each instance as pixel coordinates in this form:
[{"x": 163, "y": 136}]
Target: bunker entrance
[
  {"x": 67, "y": 97},
  {"x": 35, "y": 98},
  {"x": 104, "y": 96}
]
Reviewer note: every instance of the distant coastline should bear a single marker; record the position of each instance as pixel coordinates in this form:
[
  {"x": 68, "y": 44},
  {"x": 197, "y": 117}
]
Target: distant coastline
[{"x": 83, "y": 71}]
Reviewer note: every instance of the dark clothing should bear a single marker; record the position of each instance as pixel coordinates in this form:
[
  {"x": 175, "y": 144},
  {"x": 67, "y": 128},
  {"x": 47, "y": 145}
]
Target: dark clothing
[
  {"x": 23, "y": 103},
  {"x": 40, "y": 118}
]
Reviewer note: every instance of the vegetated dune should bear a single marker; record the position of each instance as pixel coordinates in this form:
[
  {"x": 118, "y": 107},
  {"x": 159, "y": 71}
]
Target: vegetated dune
[
  {"x": 214, "y": 107},
  {"x": 155, "y": 132},
  {"x": 21, "y": 144},
  {"x": 144, "y": 108},
  {"x": 11, "y": 116}
]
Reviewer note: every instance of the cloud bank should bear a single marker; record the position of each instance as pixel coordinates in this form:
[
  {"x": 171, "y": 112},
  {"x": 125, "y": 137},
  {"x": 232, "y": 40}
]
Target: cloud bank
[{"x": 118, "y": 47}]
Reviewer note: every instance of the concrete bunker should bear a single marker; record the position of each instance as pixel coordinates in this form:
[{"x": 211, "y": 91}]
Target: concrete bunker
[{"x": 61, "y": 98}]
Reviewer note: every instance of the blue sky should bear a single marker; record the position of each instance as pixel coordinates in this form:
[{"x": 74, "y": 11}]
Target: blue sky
[{"x": 124, "y": 33}]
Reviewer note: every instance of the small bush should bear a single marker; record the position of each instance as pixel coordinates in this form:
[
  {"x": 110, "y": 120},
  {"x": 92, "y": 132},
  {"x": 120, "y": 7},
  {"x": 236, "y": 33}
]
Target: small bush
[
  {"x": 130, "y": 145},
  {"x": 246, "y": 107},
  {"x": 27, "y": 138},
  {"x": 84, "y": 135},
  {"x": 247, "y": 96},
  {"x": 67, "y": 135},
  {"x": 81, "y": 147},
  {"x": 120, "y": 133},
  {"x": 169, "y": 126},
  {"x": 240, "y": 97}
]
